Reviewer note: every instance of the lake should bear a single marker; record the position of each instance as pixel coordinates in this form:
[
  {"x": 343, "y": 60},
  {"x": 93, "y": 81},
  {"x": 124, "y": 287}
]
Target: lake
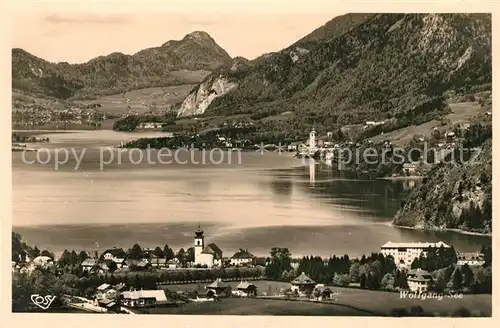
[{"x": 102, "y": 197}]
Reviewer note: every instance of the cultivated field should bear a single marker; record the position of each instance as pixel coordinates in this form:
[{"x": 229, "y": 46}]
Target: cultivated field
[
  {"x": 349, "y": 301},
  {"x": 461, "y": 113},
  {"x": 141, "y": 100}
]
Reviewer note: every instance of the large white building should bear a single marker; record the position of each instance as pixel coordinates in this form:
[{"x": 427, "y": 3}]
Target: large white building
[
  {"x": 405, "y": 253},
  {"x": 209, "y": 255}
]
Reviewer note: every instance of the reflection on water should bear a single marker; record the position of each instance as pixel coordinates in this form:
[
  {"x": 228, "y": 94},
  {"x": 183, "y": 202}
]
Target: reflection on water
[
  {"x": 312, "y": 172},
  {"x": 265, "y": 201}
]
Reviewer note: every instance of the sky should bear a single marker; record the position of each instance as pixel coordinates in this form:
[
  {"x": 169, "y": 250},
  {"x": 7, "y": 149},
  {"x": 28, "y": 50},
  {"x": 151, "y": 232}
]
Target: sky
[{"x": 76, "y": 34}]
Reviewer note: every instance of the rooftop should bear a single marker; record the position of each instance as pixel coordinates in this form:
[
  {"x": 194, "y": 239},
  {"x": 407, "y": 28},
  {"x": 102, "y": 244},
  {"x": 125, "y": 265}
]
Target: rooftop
[
  {"x": 243, "y": 254},
  {"x": 159, "y": 295},
  {"x": 414, "y": 245},
  {"x": 245, "y": 285},
  {"x": 303, "y": 279},
  {"x": 218, "y": 283},
  {"x": 103, "y": 287},
  {"x": 214, "y": 250}
]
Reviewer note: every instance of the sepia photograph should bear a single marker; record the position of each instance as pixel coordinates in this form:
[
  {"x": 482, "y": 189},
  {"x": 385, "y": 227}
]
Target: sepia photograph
[{"x": 326, "y": 164}]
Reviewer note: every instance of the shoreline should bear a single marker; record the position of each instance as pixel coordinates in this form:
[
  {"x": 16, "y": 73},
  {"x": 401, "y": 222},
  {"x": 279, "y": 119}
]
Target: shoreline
[
  {"x": 462, "y": 232},
  {"x": 415, "y": 177}
]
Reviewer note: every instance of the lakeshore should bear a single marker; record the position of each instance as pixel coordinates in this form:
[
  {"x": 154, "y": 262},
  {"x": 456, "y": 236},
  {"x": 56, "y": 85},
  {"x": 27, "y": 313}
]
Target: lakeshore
[{"x": 438, "y": 229}]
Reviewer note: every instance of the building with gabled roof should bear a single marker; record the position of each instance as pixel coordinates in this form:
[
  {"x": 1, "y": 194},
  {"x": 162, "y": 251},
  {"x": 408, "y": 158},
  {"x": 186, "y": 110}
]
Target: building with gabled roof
[
  {"x": 114, "y": 253},
  {"x": 242, "y": 257},
  {"x": 246, "y": 289},
  {"x": 303, "y": 285},
  {"x": 418, "y": 280},
  {"x": 219, "y": 288},
  {"x": 405, "y": 253},
  {"x": 209, "y": 255},
  {"x": 471, "y": 259},
  {"x": 143, "y": 298}
]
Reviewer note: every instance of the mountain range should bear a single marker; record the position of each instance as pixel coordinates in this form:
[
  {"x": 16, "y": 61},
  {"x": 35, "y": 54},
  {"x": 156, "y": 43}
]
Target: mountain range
[
  {"x": 356, "y": 67},
  {"x": 185, "y": 61}
]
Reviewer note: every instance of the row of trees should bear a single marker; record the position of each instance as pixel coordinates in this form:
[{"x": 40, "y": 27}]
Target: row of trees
[{"x": 377, "y": 271}]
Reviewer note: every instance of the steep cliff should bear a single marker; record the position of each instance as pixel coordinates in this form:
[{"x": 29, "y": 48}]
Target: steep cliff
[
  {"x": 220, "y": 82},
  {"x": 455, "y": 195}
]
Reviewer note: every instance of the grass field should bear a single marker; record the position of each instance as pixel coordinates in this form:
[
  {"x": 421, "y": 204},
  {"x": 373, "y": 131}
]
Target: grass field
[
  {"x": 349, "y": 302},
  {"x": 461, "y": 113},
  {"x": 139, "y": 100}
]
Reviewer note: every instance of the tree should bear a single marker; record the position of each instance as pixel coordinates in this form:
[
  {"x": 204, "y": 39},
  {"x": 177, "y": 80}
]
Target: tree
[
  {"x": 468, "y": 276},
  {"x": 456, "y": 279},
  {"x": 362, "y": 280},
  {"x": 82, "y": 256},
  {"x": 112, "y": 266},
  {"x": 135, "y": 252},
  {"x": 354, "y": 272},
  {"x": 47, "y": 253},
  {"x": 440, "y": 281},
  {"x": 168, "y": 252},
  {"x": 369, "y": 281},
  {"x": 181, "y": 255},
  {"x": 35, "y": 252},
  {"x": 281, "y": 260},
  {"x": 190, "y": 255},
  {"x": 158, "y": 252},
  {"x": 387, "y": 281},
  {"x": 65, "y": 258},
  {"x": 73, "y": 258}
]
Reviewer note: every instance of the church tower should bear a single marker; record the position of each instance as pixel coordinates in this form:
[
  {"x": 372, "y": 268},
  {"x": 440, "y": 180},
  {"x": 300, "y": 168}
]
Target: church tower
[
  {"x": 199, "y": 244},
  {"x": 312, "y": 139}
]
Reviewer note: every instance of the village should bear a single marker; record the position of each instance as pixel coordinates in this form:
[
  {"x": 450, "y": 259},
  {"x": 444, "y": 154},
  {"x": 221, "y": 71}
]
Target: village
[{"x": 148, "y": 281}]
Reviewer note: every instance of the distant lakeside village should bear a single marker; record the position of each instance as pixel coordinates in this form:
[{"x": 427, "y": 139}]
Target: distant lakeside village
[{"x": 160, "y": 280}]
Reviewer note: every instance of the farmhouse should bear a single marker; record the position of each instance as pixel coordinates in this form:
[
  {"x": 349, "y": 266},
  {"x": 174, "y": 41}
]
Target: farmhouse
[
  {"x": 303, "y": 285},
  {"x": 42, "y": 261},
  {"x": 143, "y": 298},
  {"x": 419, "y": 280},
  {"x": 114, "y": 254},
  {"x": 242, "y": 257},
  {"x": 88, "y": 264},
  {"x": 219, "y": 288},
  {"x": 246, "y": 289}
]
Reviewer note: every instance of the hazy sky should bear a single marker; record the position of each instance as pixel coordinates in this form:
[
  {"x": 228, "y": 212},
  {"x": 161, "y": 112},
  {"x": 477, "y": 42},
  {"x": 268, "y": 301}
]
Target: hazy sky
[{"x": 77, "y": 34}]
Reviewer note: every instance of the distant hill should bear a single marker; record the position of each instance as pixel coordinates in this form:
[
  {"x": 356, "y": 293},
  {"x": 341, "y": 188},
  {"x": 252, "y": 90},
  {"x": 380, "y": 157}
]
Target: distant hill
[
  {"x": 172, "y": 63},
  {"x": 355, "y": 68}
]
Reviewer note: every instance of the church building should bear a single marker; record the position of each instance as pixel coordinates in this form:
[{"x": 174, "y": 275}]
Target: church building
[{"x": 209, "y": 255}]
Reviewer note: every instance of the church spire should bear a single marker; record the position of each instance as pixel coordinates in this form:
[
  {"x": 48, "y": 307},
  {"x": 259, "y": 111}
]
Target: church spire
[{"x": 199, "y": 232}]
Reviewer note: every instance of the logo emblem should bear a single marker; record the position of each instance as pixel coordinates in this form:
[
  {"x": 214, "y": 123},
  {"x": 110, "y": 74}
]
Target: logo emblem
[{"x": 42, "y": 302}]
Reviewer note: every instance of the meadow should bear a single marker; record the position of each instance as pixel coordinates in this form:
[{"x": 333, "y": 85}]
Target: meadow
[
  {"x": 347, "y": 302},
  {"x": 461, "y": 113}
]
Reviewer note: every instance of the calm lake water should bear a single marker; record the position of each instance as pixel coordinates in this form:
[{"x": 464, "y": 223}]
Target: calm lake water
[{"x": 250, "y": 200}]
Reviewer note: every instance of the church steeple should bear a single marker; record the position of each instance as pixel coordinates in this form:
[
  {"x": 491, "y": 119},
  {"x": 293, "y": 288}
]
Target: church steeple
[
  {"x": 198, "y": 232},
  {"x": 199, "y": 244}
]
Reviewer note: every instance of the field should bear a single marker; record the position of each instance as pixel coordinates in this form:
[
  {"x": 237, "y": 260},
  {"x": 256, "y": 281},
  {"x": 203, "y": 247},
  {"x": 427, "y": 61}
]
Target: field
[
  {"x": 140, "y": 100},
  {"x": 461, "y": 113},
  {"x": 349, "y": 301}
]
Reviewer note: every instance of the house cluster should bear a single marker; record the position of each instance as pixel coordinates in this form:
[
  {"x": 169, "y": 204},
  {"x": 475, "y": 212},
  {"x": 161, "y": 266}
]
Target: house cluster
[
  {"x": 210, "y": 255},
  {"x": 405, "y": 253},
  {"x": 27, "y": 265},
  {"x": 205, "y": 255},
  {"x": 117, "y": 258},
  {"x": 33, "y": 114}
]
